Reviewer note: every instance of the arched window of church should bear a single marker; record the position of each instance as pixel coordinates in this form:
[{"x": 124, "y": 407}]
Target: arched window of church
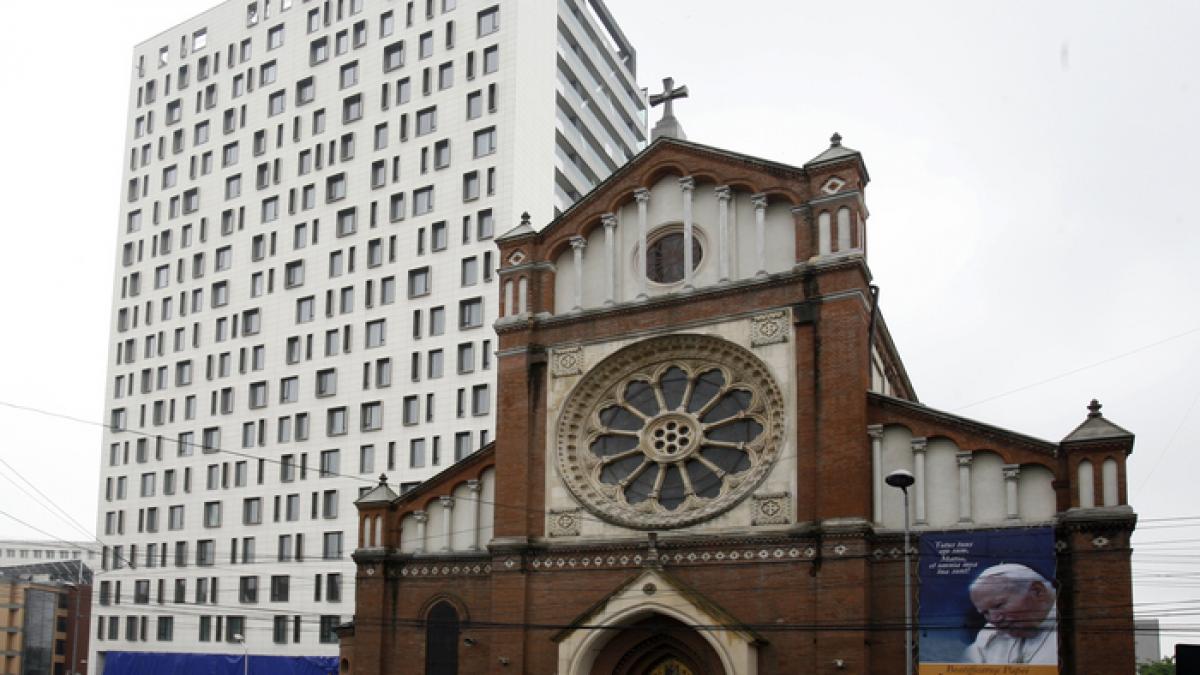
[
  {"x": 441, "y": 640},
  {"x": 664, "y": 257}
]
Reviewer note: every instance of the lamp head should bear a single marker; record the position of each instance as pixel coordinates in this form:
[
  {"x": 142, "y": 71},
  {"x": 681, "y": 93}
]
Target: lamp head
[
  {"x": 238, "y": 637},
  {"x": 900, "y": 478}
]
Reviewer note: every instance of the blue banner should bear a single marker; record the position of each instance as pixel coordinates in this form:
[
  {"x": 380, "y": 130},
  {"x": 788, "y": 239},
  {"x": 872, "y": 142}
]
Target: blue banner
[
  {"x": 988, "y": 597},
  {"x": 150, "y": 663}
]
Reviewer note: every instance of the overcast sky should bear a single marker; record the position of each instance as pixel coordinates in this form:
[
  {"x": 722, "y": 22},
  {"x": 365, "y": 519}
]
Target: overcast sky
[{"x": 1033, "y": 220}]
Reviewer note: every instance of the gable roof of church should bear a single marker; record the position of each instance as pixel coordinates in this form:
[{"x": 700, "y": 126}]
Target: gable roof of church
[
  {"x": 698, "y": 151},
  {"x": 380, "y": 494},
  {"x": 836, "y": 152},
  {"x": 450, "y": 475},
  {"x": 951, "y": 421},
  {"x": 1096, "y": 428}
]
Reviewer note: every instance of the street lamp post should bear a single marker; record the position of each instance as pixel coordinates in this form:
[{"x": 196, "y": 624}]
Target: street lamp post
[
  {"x": 245, "y": 653},
  {"x": 75, "y": 619},
  {"x": 903, "y": 480}
]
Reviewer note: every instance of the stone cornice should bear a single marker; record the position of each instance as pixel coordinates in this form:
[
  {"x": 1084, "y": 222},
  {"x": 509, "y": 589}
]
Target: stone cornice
[
  {"x": 1100, "y": 518},
  {"x": 796, "y": 275}
]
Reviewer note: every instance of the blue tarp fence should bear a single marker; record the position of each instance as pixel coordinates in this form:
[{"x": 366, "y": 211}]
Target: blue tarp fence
[{"x": 142, "y": 663}]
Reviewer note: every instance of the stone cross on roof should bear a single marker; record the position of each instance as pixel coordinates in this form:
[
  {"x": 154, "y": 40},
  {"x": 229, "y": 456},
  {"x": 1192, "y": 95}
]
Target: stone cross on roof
[
  {"x": 668, "y": 126},
  {"x": 670, "y": 93}
]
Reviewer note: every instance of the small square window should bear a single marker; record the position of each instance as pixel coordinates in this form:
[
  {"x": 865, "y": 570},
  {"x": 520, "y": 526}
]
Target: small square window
[
  {"x": 318, "y": 51},
  {"x": 485, "y": 142},
  {"x": 488, "y": 21},
  {"x": 426, "y": 120},
  {"x": 418, "y": 282},
  {"x": 474, "y": 105},
  {"x": 422, "y": 200},
  {"x": 348, "y": 75},
  {"x": 376, "y": 333},
  {"x": 491, "y": 59},
  {"x": 393, "y": 56},
  {"x": 276, "y": 103},
  {"x": 335, "y": 425},
  {"x": 352, "y": 108},
  {"x": 470, "y": 186},
  {"x": 306, "y": 91},
  {"x": 470, "y": 313},
  {"x": 346, "y": 222},
  {"x": 441, "y": 154}
]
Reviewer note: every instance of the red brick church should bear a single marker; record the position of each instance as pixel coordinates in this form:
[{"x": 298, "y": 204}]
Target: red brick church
[{"x": 699, "y": 401}]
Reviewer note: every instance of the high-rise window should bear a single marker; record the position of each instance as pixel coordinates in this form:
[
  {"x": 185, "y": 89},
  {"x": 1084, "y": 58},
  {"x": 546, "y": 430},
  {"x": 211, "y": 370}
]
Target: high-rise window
[
  {"x": 470, "y": 313},
  {"x": 426, "y": 120},
  {"x": 488, "y": 21},
  {"x": 418, "y": 282}
]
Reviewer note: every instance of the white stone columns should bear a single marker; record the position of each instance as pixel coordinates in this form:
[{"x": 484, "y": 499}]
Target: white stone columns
[
  {"x": 1012, "y": 504},
  {"x": 760, "y": 233},
  {"x": 724, "y": 194},
  {"x": 577, "y": 246},
  {"x": 475, "y": 488},
  {"x": 964, "y": 486},
  {"x": 687, "y": 185},
  {"x": 447, "y": 520},
  {"x": 421, "y": 517},
  {"x": 610, "y": 257},
  {"x": 918, "y": 450},
  {"x": 642, "y": 195},
  {"x": 875, "y": 431}
]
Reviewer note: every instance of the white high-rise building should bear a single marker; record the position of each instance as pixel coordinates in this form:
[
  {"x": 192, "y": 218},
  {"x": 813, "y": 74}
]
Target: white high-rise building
[{"x": 304, "y": 289}]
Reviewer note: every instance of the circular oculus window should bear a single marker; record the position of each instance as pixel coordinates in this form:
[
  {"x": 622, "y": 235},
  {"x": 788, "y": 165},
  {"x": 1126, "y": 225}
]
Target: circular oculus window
[
  {"x": 664, "y": 256},
  {"x": 670, "y": 431}
]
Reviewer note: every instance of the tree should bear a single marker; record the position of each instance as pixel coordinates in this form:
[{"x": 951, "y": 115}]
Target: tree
[{"x": 1164, "y": 667}]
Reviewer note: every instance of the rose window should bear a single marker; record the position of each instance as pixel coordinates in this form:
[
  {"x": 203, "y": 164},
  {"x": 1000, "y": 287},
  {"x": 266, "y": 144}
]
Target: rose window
[{"x": 671, "y": 438}]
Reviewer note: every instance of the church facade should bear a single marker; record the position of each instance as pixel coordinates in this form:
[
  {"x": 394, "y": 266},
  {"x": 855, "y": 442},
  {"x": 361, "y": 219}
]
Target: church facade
[{"x": 699, "y": 403}]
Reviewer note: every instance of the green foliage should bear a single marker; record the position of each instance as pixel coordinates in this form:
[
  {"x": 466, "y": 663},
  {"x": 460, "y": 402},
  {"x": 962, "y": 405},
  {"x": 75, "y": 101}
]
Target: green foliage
[{"x": 1164, "y": 667}]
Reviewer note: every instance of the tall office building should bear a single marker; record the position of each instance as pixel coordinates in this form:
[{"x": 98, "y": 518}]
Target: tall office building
[{"x": 304, "y": 288}]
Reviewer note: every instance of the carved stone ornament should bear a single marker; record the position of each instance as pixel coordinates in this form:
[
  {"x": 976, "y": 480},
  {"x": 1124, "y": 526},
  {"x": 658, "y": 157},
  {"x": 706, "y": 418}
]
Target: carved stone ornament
[
  {"x": 833, "y": 185},
  {"x": 768, "y": 329},
  {"x": 516, "y": 257},
  {"x": 564, "y": 523},
  {"x": 670, "y": 431},
  {"x": 772, "y": 509},
  {"x": 566, "y": 361}
]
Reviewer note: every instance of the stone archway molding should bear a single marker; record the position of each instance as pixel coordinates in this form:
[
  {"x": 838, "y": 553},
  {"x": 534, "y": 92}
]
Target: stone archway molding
[{"x": 654, "y": 591}]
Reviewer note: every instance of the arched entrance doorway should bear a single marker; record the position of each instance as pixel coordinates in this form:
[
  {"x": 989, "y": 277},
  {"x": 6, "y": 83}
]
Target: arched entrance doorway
[{"x": 658, "y": 645}]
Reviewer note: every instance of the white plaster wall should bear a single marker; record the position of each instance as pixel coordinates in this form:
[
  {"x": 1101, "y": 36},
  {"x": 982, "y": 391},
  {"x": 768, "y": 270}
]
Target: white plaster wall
[
  {"x": 434, "y": 538},
  {"x": 408, "y": 534},
  {"x": 1035, "y": 494},
  {"x": 897, "y": 454},
  {"x": 665, "y": 208},
  {"x": 1035, "y": 497},
  {"x": 781, "y": 478},
  {"x": 462, "y": 527},
  {"x": 487, "y": 509},
  {"x": 941, "y": 482},
  {"x": 987, "y": 488}
]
